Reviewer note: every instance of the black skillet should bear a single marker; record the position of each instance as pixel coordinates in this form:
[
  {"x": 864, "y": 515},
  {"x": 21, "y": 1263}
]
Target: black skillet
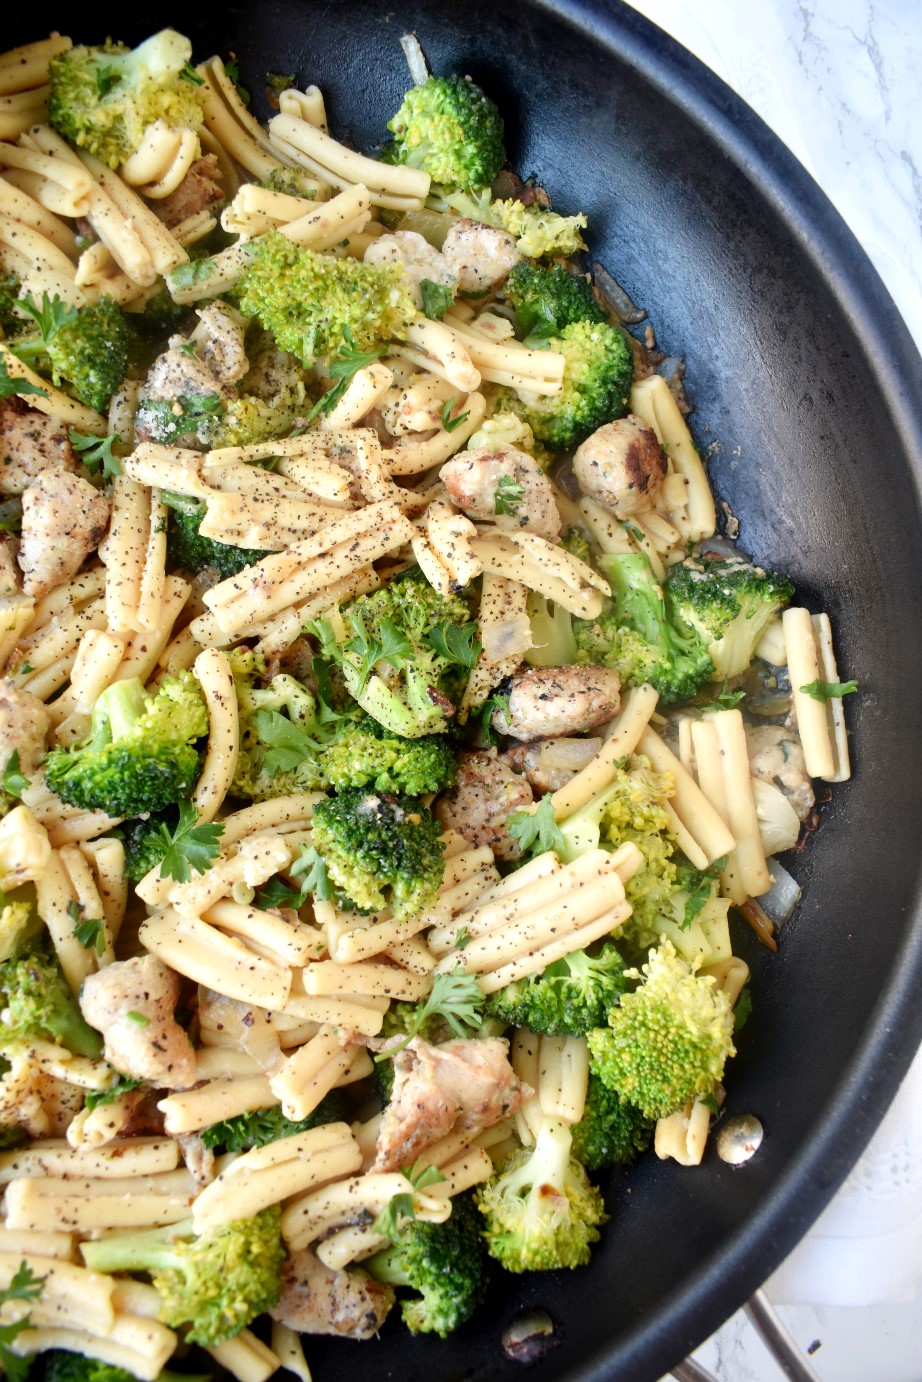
[{"x": 800, "y": 367}]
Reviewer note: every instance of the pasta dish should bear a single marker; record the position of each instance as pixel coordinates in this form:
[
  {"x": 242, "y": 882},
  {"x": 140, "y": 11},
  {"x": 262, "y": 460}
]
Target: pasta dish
[{"x": 392, "y": 749}]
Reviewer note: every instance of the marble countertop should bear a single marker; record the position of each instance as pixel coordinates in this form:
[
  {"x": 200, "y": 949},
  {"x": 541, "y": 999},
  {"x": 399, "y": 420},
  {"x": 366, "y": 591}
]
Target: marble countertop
[{"x": 837, "y": 80}]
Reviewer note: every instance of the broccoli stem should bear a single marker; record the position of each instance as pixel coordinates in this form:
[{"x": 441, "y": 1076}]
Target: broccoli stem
[
  {"x": 118, "y": 709},
  {"x": 153, "y": 1250}
]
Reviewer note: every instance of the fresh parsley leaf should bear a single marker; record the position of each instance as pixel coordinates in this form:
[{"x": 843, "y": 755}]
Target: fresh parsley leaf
[
  {"x": 449, "y": 422},
  {"x": 11, "y": 515},
  {"x": 94, "y": 1098},
  {"x": 25, "y": 1285},
  {"x": 498, "y": 701},
  {"x": 457, "y": 998},
  {"x": 288, "y": 743},
  {"x": 138, "y": 1019},
  {"x": 96, "y": 453},
  {"x": 508, "y": 495},
  {"x": 437, "y": 298},
  {"x": 462, "y": 938},
  {"x": 743, "y": 1010},
  {"x": 829, "y": 690},
  {"x": 232, "y": 69},
  {"x": 184, "y": 275},
  {"x": 189, "y": 74},
  {"x": 312, "y": 870},
  {"x": 11, "y": 384},
  {"x": 347, "y": 363},
  {"x": 536, "y": 831},
  {"x": 49, "y": 315},
  {"x": 725, "y": 699},
  {"x": 401, "y": 1205},
  {"x": 697, "y": 899},
  {"x": 710, "y": 1102},
  {"x": 392, "y": 647},
  {"x": 278, "y": 893},
  {"x": 190, "y": 847},
  {"x": 458, "y": 642},
  {"x": 14, "y": 780},
  {"x": 89, "y": 931}
]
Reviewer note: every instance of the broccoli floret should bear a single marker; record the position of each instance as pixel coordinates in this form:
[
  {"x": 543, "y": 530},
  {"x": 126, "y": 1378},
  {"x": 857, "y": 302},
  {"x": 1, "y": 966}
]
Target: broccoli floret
[
  {"x": 140, "y": 754},
  {"x": 611, "y": 1130},
  {"x": 669, "y": 1040},
  {"x": 188, "y": 550},
  {"x": 729, "y": 604},
  {"x": 539, "y": 233},
  {"x": 11, "y": 317},
  {"x": 85, "y": 346},
  {"x": 18, "y": 922},
  {"x": 449, "y": 128},
  {"x": 103, "y": 99},
  {"x": 60, "y": 1366},
  {"x": 578, "y": 545},
  {"x": 381, "y": 850},
  {"x": 271, "y": 398},
  {"x": 216, "y": 1282},
  {"x": 290, "y": 742},
  {"x": 502, "y": 429},
  {"x": 256, "y": 1129},
  {"x": 144, "y": 841},
  {"x": 638, "y": 637},
  {"x": 597, "y": 374},
  {"x": 390, "y": 665},
  {"x": 446, "y": 1263},
  {"x": 312, "y": 302},
  {"x": 38, "y": 1001},
  {"x": 548, "y": 299},
  {"x": 542, "y": 1212},
  {"x": 568, "y": 998}
]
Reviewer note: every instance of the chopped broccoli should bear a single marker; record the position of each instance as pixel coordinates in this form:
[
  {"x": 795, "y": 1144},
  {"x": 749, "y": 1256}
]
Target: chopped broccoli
[
  {"x": 216, "y": 1282},
  {"x": 144, "y": 842},
  {"x": 502, "y": 429},
  {"x": 291, "y": 742},
  {"x": 38, "y": 1001},
  {"x": 598, "y": 369},
  {"x": 568, "y": 998},
  {"x": 388, "y": 662},
  {"x": 309, "y": 301},
  {"x": 256, "y": 1129},
  {"x": 103, "y": 99},
  {"x": 11, "y": 315},
  {"x": 449, "y": 128},
  {"x": 18, "y": 922},
  {"x": 61, "y": 1366},
  {"x": 271, "y": 398},
  {"x": 727, "y": 603},
  {"x": 140, "y": 754},
  {"x": 639, "y": 637},
  {"x": 542, "y": 1212},
  {"x": 539, "y": 233},
  {"x": 85, "y": 346},
  {"x": 548, "y": 299},
  {"x": 446, "y": 1263},
  {"x": 188, "y": 550},
  {"x": 669, "y": 1040},
  {"x": 611, "y": 1130},
  {"x": 381, "y": 850},
  {"x": 578, "y": 545}
]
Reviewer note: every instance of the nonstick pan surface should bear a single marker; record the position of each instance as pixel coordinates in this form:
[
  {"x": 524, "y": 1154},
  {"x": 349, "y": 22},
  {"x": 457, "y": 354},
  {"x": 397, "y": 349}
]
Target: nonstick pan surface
[{"x": 808, "y": 399}]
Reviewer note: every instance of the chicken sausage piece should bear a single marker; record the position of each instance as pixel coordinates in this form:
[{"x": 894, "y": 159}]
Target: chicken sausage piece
[
  {"x": 220, "y": 334},
  {"x": 316, "y": 1299},
  {"x": 503, "y": 486},
  {"x": 131, "y": 1002},
  {"x": 622, "y": 465},
  {"x": 173, "y": 376},
  {"x": 545, "y": 702},
  {"x": 24, "y": 722},
  {"x": 777, "y": 757},
  {"x": 30, "y": 443},
  {"x": 64, "y": 519},
  {"x": 479, "y": 256},
  {"x": 416, "y": 257},
  {"x": 467, "y": 1084},
  {"x": 485, "y": 796},
  {"x": 199, "y": 189}
]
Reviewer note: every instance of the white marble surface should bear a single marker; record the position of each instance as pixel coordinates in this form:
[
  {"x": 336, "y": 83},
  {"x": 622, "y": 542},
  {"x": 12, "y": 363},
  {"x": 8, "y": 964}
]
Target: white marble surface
[{"x": 838, "y": 81}]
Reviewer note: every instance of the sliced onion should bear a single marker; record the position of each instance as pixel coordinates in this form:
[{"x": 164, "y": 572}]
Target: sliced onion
[
  {"x": 419, "y": 71},
  {"x": 573, "y": 754},
  {"x": 779, "y": 823},
  {"x": 783, "y": 895},
  {"x": 616, "y": 297},
  {"x": 511, "y": 638}
]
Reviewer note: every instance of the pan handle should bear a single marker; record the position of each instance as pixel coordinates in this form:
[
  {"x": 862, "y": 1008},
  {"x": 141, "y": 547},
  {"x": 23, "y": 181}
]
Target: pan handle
[{"x": 775, "y": 1337}]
